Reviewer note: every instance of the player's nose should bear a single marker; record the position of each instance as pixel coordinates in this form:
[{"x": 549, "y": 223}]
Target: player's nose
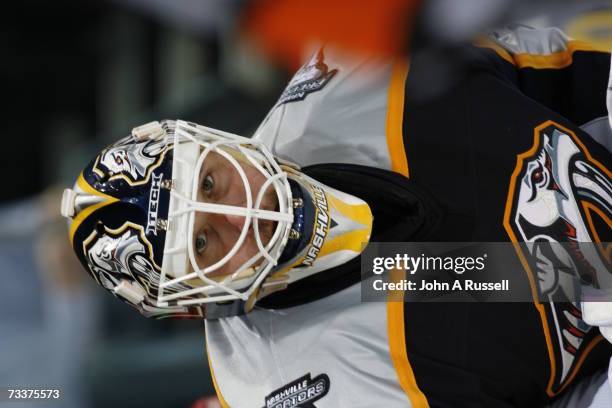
[{"x": 236, "y": 221}]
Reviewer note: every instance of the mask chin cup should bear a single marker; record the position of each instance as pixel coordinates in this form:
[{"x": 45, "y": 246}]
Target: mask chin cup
[{"x": 339, "y": 227}]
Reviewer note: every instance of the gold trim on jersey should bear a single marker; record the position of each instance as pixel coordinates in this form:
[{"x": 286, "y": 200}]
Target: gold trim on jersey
[
  {"x": 222, "y": 401},
  {"x": 395, "y": 115},
  {"x": 555, "y": 60},
  {"x": 395, "y": 302},
  {"x": 397, "y": 344}
]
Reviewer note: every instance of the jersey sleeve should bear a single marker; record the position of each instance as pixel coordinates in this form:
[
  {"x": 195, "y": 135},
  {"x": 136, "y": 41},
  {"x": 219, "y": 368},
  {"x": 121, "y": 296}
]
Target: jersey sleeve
[{"x": 567, "y": 76}]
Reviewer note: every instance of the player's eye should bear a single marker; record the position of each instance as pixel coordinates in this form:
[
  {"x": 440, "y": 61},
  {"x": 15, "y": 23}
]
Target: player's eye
[
  {"x": 200, "y": 243},
  {"x": 208, "y": 184}
]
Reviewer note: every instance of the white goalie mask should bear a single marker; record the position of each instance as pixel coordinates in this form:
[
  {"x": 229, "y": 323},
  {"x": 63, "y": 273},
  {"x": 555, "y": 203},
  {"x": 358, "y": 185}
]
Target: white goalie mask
[
  {"x": 204, "y": 156},
  {"x": 181, "y": 220}
]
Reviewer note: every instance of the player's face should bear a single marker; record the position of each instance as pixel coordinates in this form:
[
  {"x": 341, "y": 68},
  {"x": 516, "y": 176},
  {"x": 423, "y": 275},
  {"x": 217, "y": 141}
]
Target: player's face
[{"x": 216, "y": 234}]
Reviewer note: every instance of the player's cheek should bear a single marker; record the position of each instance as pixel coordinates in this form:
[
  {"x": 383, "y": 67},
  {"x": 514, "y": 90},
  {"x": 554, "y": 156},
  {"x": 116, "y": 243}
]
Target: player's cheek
[
  {"x": 254, "y": 178},
  {"x": 258, "y": 181},
  {"x": 226, "y": 237},
  {"x": 218, "y": 247}
]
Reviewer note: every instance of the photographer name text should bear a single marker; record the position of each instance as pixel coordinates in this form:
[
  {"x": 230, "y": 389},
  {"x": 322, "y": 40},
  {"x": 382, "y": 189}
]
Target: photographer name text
[{"x": 437, "y": 286}]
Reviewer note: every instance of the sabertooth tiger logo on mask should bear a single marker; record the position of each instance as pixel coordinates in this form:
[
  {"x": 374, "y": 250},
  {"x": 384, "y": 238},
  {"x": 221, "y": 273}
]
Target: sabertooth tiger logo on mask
[
  {"x": 313, "y": 76},
  {"x": 301, "y": 393},
  {"x": 125, "y": 253},
  {"x": 560, "y": 193},
  {"x": 131, "y": 161},
  {"x": 111, "y": 256}
]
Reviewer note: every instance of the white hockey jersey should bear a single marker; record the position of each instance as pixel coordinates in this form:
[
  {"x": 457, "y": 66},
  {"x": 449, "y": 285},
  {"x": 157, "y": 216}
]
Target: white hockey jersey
[{"x": 340, "y": 352}]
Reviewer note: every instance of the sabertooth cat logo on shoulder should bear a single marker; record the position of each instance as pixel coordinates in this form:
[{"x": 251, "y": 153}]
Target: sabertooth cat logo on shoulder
[
  {"x": 313, "y": 76},
  {"x": 301, "y": 393},
  {"x": 560, "y": 193}
]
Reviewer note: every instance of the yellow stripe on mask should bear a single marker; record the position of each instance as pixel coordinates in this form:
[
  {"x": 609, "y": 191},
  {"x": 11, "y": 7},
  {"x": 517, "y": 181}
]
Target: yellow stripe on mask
[{"x": 85, "y": 213}]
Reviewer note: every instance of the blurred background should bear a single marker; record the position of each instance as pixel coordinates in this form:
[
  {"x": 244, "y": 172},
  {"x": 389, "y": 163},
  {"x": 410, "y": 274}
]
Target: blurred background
[{"x": 77, "y": 75}]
